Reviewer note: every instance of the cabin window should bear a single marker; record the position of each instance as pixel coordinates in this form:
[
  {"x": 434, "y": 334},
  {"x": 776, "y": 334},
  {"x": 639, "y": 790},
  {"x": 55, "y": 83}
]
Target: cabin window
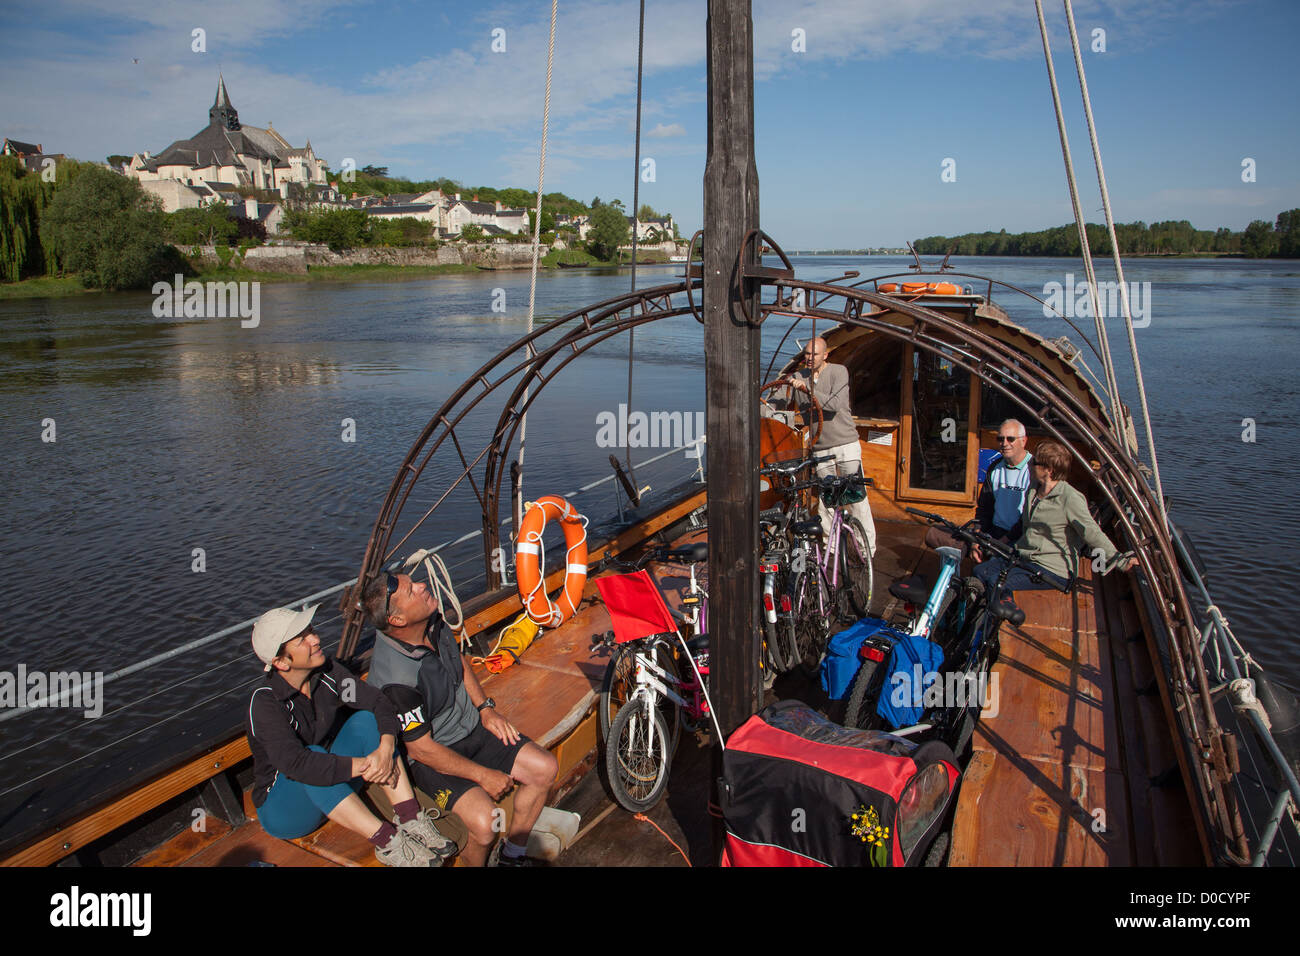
[
  {"x": 878, "y": 380},
  {"x": 939, "y": 444}
]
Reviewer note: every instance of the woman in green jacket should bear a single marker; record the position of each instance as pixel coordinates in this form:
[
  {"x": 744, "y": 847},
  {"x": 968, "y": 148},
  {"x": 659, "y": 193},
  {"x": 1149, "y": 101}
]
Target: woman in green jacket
[{"x": 1057, "y": 527}]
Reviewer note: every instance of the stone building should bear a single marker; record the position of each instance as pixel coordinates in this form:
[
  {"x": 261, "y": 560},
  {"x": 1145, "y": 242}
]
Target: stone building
[{"x": 227, "y": 151}]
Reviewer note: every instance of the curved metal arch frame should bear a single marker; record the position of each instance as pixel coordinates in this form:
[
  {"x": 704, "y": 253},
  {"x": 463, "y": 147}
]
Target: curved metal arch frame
[
  {"x": 971, "y": 349},
  {"x": 1144, "y": 531},
  {"x": 655, "y": 303}
]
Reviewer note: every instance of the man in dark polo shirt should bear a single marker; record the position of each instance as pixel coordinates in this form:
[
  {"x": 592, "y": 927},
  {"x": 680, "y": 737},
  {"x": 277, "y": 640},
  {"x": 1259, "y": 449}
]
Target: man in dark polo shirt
[{"x": 462, "y": 752}]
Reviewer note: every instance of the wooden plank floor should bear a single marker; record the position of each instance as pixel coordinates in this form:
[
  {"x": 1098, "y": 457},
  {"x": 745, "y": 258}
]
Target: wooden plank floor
[{"x": 1045, "y": 785}]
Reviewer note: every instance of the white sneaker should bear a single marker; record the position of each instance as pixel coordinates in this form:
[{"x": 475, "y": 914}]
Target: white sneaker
[
  {"x": 405, "y": 850},
  {"x": 423, "y": 830}
]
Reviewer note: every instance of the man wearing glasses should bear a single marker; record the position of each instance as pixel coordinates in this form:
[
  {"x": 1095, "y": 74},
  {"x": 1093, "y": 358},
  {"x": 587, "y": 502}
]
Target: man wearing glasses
[
  {"x": 317, "y": 733},
  {"x": 1005, "y": 486},
  {"x": 830, "y": 386},
  {"x": 463, "y": 752}
]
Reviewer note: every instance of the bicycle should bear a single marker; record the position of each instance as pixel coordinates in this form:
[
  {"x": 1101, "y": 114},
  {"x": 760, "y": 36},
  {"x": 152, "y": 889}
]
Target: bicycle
[
  {"x": 971, "y": 627},
  {"x": 642, "y": 736},
  {"x": 835, "y": 582}
]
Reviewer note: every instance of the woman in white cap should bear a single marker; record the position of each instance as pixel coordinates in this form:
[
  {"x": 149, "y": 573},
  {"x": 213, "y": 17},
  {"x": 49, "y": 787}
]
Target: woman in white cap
[{"x": 317, "y": 732}]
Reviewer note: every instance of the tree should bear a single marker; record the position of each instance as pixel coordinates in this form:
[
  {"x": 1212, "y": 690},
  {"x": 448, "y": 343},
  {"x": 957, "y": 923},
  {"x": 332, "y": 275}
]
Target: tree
[
  {"x": 1258, "y": 240},
  {"x": 117, "y": 161},
  {"x": 472, "y": 233},
  {"x": 548, "y": 220},
  {"x": 106, "y": 229},
  {"x": 608, "y": 231},
  {"x": 339, "y": 228},
  {"x": 206, "y": 225},
  {"x": 379, "y": 171},
  {"x": 1288, "y": 234},
  {"x": 646, "y": 213}
]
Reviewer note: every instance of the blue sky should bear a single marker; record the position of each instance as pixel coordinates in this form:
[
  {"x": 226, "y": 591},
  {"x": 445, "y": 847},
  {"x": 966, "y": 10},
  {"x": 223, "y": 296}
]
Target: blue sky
[{"x": 851, "y": 132}]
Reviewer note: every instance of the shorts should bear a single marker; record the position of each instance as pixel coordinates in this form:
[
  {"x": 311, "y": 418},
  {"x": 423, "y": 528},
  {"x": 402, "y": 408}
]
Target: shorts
[{"x": 481, "y": 746}]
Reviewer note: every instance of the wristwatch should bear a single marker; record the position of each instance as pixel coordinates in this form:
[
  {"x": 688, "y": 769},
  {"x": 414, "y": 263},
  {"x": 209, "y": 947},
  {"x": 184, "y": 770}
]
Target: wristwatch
[{"x": 488, "y": 702}]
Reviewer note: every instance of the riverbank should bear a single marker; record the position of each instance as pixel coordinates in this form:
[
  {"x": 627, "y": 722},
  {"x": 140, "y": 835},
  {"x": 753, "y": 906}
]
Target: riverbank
[{"x": 324, "y": 266}]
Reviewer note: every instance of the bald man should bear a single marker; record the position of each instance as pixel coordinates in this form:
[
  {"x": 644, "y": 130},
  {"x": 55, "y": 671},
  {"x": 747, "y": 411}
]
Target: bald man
[{"x": 839, "y": 437}]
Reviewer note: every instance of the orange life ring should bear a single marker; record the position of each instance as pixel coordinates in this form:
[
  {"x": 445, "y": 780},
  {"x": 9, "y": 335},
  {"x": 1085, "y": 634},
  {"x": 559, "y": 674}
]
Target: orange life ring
[
  {"x": 922, "y": 288},
  {"x": 528, "y": 560}
]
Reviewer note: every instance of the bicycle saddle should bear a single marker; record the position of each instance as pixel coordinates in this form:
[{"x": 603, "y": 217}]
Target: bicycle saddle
[
  {"x": 698, "y": 643},
  {"x": 1007, "y": 610},
  {"x": 812, "y": 528},
  {"x": 912, "y": 589},
  {"x": 689, "y": 553}
]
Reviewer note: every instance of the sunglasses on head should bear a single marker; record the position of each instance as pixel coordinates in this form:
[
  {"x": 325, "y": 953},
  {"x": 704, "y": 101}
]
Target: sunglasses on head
[{"x": 392, "y": 583}]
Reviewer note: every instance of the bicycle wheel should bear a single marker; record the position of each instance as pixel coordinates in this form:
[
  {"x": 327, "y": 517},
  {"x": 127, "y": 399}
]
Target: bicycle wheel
[
  {"x": 780, "y": 635},
  {"x": 853, "y": 596},
  {"x": 862, "y": 696},
  {"x": 617, "y": 685},
  {"x": 620, "y": 681},
  {"x": 811, "y": 626},
  {"x": 637, "y": 757},
  {"x": 985, "y": 657}
]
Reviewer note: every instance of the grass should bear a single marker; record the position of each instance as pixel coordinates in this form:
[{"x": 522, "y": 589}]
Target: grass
[{"x": 43, "y": 287}]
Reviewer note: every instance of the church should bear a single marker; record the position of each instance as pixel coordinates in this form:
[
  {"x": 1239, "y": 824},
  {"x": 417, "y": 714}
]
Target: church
[{"x": 226, "y": 151}]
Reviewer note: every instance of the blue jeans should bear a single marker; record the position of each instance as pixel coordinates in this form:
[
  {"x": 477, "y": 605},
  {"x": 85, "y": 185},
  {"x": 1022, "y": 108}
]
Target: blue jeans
[
  {"x": 293, "y": 809},
  {"x": 1017, "y": 580}
]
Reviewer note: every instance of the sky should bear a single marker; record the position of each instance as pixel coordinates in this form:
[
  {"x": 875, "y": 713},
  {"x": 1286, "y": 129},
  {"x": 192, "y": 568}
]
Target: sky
[{"x": 858, "y": 103}]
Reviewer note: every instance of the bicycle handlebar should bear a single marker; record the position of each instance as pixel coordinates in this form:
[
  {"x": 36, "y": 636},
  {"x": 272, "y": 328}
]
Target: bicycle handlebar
[
  {"x": 1008, "y": 553},
  {"x": 793, "y": 465}
]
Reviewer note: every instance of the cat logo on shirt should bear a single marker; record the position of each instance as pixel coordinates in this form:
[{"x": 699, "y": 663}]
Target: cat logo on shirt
[{"x": 412, "y": 719}]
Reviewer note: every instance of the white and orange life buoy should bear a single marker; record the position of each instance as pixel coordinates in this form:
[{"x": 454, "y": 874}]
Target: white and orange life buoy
[
  {"x": 922, "y": 288},
  {"x": 529, "y": 571}
]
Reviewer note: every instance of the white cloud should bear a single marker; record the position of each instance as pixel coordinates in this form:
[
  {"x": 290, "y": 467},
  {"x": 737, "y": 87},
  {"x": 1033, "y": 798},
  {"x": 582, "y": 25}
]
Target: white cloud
[{"x": 664, "y": 132}]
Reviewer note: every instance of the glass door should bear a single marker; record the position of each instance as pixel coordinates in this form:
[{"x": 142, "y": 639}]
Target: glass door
[{"x": 939, "y": 450}]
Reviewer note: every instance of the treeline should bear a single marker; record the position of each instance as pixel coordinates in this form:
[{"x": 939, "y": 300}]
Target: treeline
[
  {"x": 375, "y": 181},
  {"x": 24, "y": 197},
  {"x": 1259, "y": 239}
]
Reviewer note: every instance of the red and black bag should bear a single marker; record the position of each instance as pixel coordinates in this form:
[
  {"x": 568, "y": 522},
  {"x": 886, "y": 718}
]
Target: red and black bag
[{"x": 798, "y": 790}]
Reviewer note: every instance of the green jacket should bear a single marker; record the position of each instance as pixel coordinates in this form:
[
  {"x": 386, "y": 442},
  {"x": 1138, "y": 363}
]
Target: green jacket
[{"x": 1057, "y": 526}]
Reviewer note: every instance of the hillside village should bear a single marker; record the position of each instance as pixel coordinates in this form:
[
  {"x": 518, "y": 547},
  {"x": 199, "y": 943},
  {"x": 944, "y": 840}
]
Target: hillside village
[{"x": 227, "y": 160}]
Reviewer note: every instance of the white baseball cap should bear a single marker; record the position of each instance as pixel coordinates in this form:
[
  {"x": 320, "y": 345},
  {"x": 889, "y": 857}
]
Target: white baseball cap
[{"x": 277, "y": 626}]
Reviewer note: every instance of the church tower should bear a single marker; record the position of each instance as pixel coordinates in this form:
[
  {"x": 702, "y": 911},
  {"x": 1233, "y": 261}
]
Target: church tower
[{"x": 222, "y": 113}]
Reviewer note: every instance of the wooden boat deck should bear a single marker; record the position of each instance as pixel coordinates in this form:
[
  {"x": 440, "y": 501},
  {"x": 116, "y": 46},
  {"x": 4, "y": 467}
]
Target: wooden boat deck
[
  {"x": 1061, "y": 776},
  {"x": 1076, "y": 768},
  {"x": 550, "y": 695}
]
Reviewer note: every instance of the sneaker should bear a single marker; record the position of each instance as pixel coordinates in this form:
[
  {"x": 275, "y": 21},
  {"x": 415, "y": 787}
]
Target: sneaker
[
  {"x": 504, "y": 860},
  {"x": 422, "y": 829},
  {"x": 405, "y": 850}
]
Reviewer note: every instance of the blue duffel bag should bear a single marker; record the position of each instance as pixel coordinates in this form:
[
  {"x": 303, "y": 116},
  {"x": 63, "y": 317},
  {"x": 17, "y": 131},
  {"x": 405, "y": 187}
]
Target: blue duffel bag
[
  {"x": 842, "y": 660},
  {"x": 913, "y": 665}
]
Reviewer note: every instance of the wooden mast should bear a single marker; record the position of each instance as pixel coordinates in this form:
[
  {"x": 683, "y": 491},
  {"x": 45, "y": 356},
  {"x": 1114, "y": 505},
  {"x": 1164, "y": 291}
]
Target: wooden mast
[{"x": 732, "y": 366}]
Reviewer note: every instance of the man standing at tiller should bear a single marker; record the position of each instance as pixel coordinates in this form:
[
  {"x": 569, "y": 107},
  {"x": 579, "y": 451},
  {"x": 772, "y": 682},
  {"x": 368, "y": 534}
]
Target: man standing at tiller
[
  {"x": 463, "y": 753},
  {"x": 839, "y": 437}
]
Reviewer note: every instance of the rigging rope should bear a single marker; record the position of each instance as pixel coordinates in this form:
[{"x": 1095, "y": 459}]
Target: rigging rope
[
  {"x": 1108, "y": 365},
  {"x": 532, "y": 282},
  {"x": 636, "y": 215},
  {"x": 1119, "y": 268}
]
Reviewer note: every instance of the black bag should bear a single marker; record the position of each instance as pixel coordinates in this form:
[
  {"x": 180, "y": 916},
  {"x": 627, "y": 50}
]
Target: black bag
[{"x": 798, "y": 790}]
